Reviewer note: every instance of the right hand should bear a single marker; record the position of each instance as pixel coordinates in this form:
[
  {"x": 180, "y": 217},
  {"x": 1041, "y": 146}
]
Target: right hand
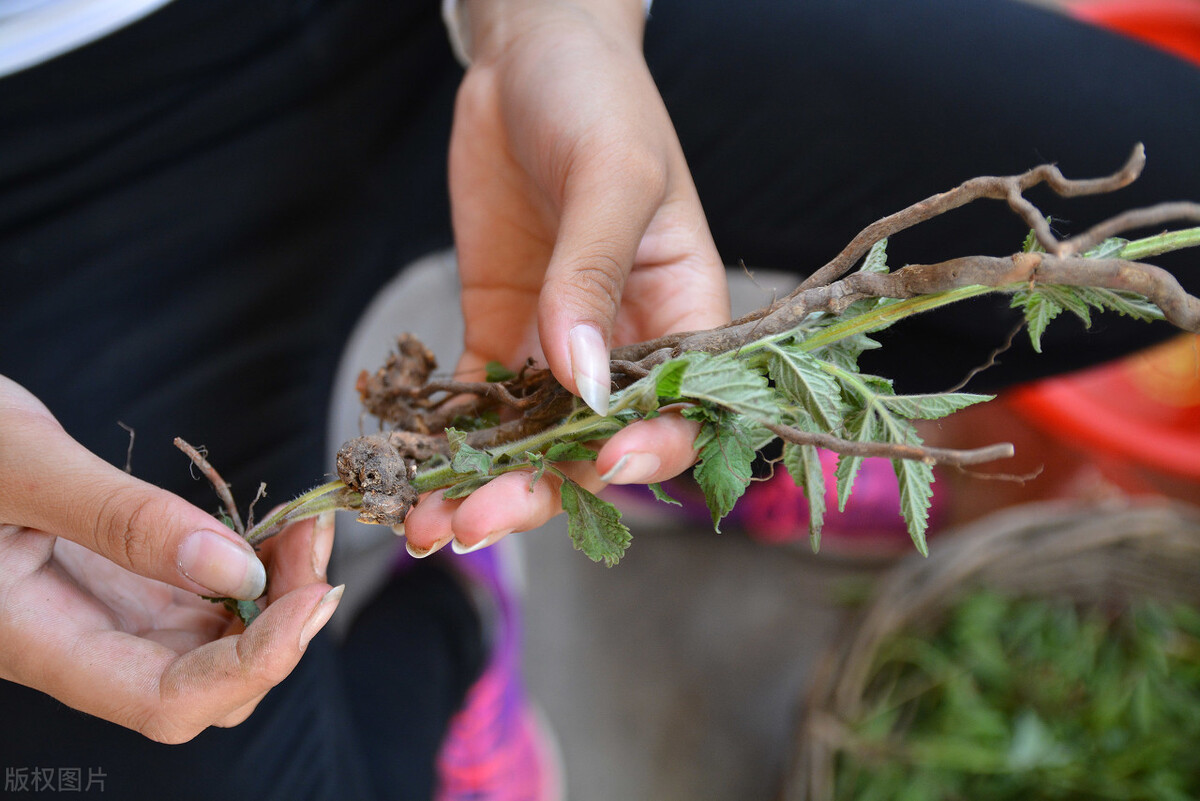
[{"x": 100, "y": 576}]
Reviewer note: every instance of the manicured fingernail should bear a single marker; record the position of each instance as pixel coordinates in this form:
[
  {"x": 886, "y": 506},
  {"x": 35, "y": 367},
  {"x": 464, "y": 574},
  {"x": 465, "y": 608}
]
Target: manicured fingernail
[
  {"x": 322, "y": 543},
  {"x": 320, "y": 615},
  {"x": 420, "y": 553},
  {"x": 225, "y": 566},
  {"x": 635, "y": 467},
  {"x": 589, "y": 366},
  {"x": 398, "y": 529},
  {"x": 459, "y": 548}
]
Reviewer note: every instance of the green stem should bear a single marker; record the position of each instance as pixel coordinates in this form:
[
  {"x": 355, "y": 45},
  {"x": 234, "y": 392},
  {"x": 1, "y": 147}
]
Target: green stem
[
  {"x": 587, "y": 426},
  {"x": 889, "y": 313},
  {"x": 1161, "y": 243},
  {"x": 331, "y": 496},
  {"x": 885, "y": 315}
]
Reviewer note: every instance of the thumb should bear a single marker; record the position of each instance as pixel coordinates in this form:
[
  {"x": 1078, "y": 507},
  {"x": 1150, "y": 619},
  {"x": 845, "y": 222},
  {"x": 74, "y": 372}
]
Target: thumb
[
  {"x": 51, "y": 483},
  {"x": 602, "y": 222}
]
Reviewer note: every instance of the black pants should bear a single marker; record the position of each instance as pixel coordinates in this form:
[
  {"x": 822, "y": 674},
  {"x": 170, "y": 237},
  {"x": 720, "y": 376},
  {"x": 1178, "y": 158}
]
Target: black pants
[{"x": 194, "y": 211}]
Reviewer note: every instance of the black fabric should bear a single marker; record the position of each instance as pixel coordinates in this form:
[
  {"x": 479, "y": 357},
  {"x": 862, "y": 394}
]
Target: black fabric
[
  {"x": 356, "y": 720},
  {"x": 803, "y": 121},
  {"x": 194, "y": 211}
]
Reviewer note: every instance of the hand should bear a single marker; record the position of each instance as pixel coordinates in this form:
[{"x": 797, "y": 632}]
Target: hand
[
  {"x": 578, "y": 228},
  {"x": 99, "y": 575}
]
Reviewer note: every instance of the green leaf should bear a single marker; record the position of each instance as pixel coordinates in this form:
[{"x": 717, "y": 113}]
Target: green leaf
[
  {"x": 799, "y": 376},
  {"x": 668, "y": 378},
  {"x": 1032, "y": 245},
  {"x": 594, "y": 525},
  {"x": 1108, "y": 249},
  {"x": 539, "y": 464},
  {"x": 803, "y": 463},
  {"x": 862, "y": 426},
  {"x": 876, "y": 260},
  {"x": 727, "y": 450},
  {"x": 465, "y": 458},
  {"x": 465, "y": 487},
  {"x": 845, "y": 352},
  {"x": 495, "y": 371},
  {"x": 246, "y": 610},
  {"x": 725, "y": 381},
  {"x": 916, "y": 490},
  {"x": 1071, "y": 299},
  {"x": 662, "y": 382},
  {"x": 930, "y": 407},
  {"x": 1127, "y": 304},
  {"x": 570, "y": 452},
  {"x": 1043, "y": 303},
  {"x": 661, "y": 494},
  {"x": 1039, "y": 310}
]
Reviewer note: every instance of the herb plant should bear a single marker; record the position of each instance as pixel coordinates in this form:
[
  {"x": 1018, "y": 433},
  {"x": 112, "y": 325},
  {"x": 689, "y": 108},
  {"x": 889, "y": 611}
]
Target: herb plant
[
  {"x": 1031, "y": 698},
  {"x": 787, "y": 371}
]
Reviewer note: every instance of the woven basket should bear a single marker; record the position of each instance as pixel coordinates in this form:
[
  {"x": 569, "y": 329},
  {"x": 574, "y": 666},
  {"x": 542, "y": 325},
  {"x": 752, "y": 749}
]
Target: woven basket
[{"x": 1107, "y": 554}]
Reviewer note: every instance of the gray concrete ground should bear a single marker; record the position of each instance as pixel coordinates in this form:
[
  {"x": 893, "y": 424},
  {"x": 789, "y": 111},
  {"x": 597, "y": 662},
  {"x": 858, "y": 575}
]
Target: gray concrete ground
[{"x": 677, "y": 673}]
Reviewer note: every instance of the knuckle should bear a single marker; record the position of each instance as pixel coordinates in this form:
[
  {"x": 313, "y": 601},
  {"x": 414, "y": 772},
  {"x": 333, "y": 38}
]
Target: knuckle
[
  {"x": 122, "y": 523},
  {"x": 598, "y": 280}
]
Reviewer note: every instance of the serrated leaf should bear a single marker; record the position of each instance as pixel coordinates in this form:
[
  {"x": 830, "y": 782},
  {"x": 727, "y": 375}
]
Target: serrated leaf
[
  {"x": 876, "y": 260},
  {"x": 1071, "y": 299},
  {"x": 662, "y": 382},
  {"x": 495, "y": 371},
  {"x": 538, "y": 462},
  {"x": 845, "y": 352},
  {"x": 1031, "y": 244},
  {"x": 1108, "y": 249},
  {"x": 1128, "y": 304},
  {"x": 570, "y": 452},
  {"x": 862, "y": 426},
  {"x": 594, "y": 524},
  {"x": 727, "y": 382},
  {"x": 1039, "y": 310},
  {"x": 930, "y": 407},
  {"x": 727, "y": 450},
  {"x": 916, "y": 490},
  {"x": 465, "y": 487},
  {"x": 803, "y": 463},
  {"x": 662, "y": 495},
  {"x": 668, "y": 378},
  {"x": 800, "y": 377},
  {"x": 700, "y": 413},
  {"x": 465, "y": 458}
]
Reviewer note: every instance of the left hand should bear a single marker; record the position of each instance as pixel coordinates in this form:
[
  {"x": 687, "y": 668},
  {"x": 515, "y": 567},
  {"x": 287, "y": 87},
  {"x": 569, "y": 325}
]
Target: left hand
[{"x": 578, "y": 228}]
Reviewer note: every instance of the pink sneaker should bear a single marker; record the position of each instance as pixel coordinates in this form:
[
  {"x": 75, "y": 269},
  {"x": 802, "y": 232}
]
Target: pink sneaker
[{"x": 498, "y": 747}]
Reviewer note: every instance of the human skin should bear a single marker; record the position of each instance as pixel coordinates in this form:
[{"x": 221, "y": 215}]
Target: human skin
[{"x": 578, "y": 228}]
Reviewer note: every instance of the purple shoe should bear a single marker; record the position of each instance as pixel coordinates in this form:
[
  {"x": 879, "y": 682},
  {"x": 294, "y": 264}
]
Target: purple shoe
[{"x": 498, "y": 747}]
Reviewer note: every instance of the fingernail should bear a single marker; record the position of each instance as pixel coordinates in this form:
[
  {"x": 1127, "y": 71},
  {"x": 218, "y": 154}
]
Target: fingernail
[
  {"x": 417, "y": 552},
  {"x": 589, "y": 366},
  {"x": 222, "y": 565},
  {"x": 398, "y": 529},
  {"x": 461, "y": 549},
  {"x": 320, "y": 615},
  {"x": 322, "y": 543},
  {"x": 635, "y": 467}
]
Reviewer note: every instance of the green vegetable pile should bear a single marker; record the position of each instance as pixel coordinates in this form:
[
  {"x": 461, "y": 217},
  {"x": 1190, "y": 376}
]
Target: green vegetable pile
[{"x": 1032, "y": 699}]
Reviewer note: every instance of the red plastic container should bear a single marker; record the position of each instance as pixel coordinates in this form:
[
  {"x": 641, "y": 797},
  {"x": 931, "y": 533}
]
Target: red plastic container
[
  {"x": 1143, "y": 410},
  {"x": 1172, "y": 25}
]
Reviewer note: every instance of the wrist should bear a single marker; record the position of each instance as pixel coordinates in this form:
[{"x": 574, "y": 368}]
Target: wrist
[{"x": 482, "y": 28}]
